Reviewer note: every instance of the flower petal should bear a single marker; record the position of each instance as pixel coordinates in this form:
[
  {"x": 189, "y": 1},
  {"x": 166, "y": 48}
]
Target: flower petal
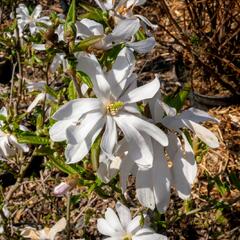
[
  {"x": 94, "y": 27},
  {"x": 36, "y": 12},
  {"x": 113, "y": 220},
  {"x": 143, "y": 46},
  {"x": 124, "y": 214},
  {"x": 75, "y": 153},
  {"x": 89, "y": 64},
  {"x": 121, "y": 71},
  {"x": 161, "y": 178},
  {"x": 76, "y": 108},
  {"x": 134, "y": 225},
  {"x": 145, "y": 127},
  {"x": 104, "y": 228},
  {"x": 197, "y": 115},
  {"x": 147, "y": 22},
  {"x": 141, "y": 151},
  {"x": 109, "y": 138},
  {"x": 124, "y": 30},
  {"x": 58, "y": 131},
  {"x": 144, "y": 189},
  {"x": 141, "y": 93},
  {"x": 203, "y": 133},
  {"x": 76, "y": 133},
  {"x": 58, "y": 227}
]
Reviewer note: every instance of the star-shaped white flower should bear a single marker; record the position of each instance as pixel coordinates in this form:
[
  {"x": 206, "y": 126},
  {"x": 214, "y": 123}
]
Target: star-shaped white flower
[
  {"x": 123, "y": 10},
  {"x": 46, "y": 233},
  {"x": 121, "y": 226},
  {"x": 24, "y": 18},
  {"x": 80, "y": 121}
]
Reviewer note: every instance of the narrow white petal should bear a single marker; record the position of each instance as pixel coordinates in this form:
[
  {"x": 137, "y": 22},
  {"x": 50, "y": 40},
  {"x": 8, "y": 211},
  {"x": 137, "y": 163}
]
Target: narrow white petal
[
  {"x": 121, "y": 71},
  {"x": 36, "y": 12},
  {"x": 141, "y": 151},
  {"x": 94, "y": 27},
  {"x": 203, "y": 133},
  {"x": 77, "y": 133},
  {"x": 113, "y": 220},
  {"x": 58, "y": 131},
  {"x": 39, "y": 47},
  {"x": 141, "y": 93},
  {"x": 3, "y": 111},
  {"x": 143, "y": 46},
  {"x": 40, "y": 97},
  {"x": 104, "y": 228},
  {"x": 144, "y": 191},
  {"x": 22, "y": 10},
  {"x": 182, "y": 171},
  {"x": 197, "y": 115},
  {"x": 82, "y": 30},
  {"x": 58, "y": 60},
  {"x": 109, "y": 138},
  {"x": 161, "y": 179},
  {"x": 125, "y": 30},
  {"x": 146, "y": 21},
  {"x": 76, "y": 108},
  {"x": 124, "y": 214},
  {"x": 75, "y": 153},
  {"x": 134, "y": 225},
  {"x": 145, "y": 127},
  {"x": 89, "y": 64}
]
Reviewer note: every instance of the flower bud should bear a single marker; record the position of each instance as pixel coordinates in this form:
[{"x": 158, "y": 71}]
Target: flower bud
[{"x": 61, "y": 189}]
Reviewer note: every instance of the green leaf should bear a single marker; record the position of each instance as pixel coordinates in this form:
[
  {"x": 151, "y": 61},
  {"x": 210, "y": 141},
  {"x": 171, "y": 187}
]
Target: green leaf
[
  {"x": 85, "y": 43},
  {"x": 2, "y": 118},
  {"x": 72, "y": 93},
  {"x": 62, "y": 166},
  {"x": 235, "y": 180},
  {"x": 94, "y": 14},
  {"x": 43, "y": 151},
  {"x": 71, "y": 16},
  {"x": 95, "y": 152},
  {"x": 81, "y": 76},
  {"x": 33, "y": 139},
  {"x": 39, "y": 121},
  {"x": 221, "y": 187},
  {"x": 110, "y": 56},
  {"x": 177, "y": 101},
  {"x": 139, "y": 36},
  {"x": 51, "y": 91}
]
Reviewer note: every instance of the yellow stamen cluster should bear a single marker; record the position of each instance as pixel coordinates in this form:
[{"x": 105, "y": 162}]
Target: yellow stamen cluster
[
  {"x": 113, "y": 108},
  {"x": 127, "y": 237}
]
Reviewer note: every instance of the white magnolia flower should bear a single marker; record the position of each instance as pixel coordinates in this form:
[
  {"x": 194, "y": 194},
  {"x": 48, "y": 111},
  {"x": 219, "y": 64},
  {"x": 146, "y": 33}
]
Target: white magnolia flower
[
  {"x": 46, "y": 233},
  {"x": 123, "y": 32},
  {"x": 121, "y": 226},
  {"x": 123, "y": 9},
  {"x": 24, "y": 18},
  {"x": 80, "y": 121},
  {"x": 9, "y": 145}
]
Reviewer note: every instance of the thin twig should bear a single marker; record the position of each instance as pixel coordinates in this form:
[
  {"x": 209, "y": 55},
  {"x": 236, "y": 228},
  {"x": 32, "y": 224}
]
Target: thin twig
[{"x": 12, "y": 83}]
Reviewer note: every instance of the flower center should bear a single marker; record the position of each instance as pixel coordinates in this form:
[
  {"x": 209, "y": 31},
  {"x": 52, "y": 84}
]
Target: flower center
[
  {"x": 122, "y": 10},
  {"x": 127, "y": 237},
  {"x": 113, "y": 108}
]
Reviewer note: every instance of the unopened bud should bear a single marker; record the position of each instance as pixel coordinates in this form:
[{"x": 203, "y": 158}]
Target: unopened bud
[
  {"x": 70, "y": 32},
  {"x": 61, "y": 189}
]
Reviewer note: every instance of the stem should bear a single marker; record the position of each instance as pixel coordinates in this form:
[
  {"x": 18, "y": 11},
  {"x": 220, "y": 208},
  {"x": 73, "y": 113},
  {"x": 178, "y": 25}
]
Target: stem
[
  {"x": 68, "y": 216},
  {"x": 12, "y": 83},
  {"x": 76, "y": 85}
]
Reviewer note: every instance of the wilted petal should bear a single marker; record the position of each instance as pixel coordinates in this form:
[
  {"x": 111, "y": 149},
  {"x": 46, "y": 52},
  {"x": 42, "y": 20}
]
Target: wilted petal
[
  {"x": 147, "y": 22},
  {"x": 39, "y": 47},
  {"x": 94, "y": 27},
  {"x": 58, "y": 227},
  {"x": 143, "y": 46}
]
